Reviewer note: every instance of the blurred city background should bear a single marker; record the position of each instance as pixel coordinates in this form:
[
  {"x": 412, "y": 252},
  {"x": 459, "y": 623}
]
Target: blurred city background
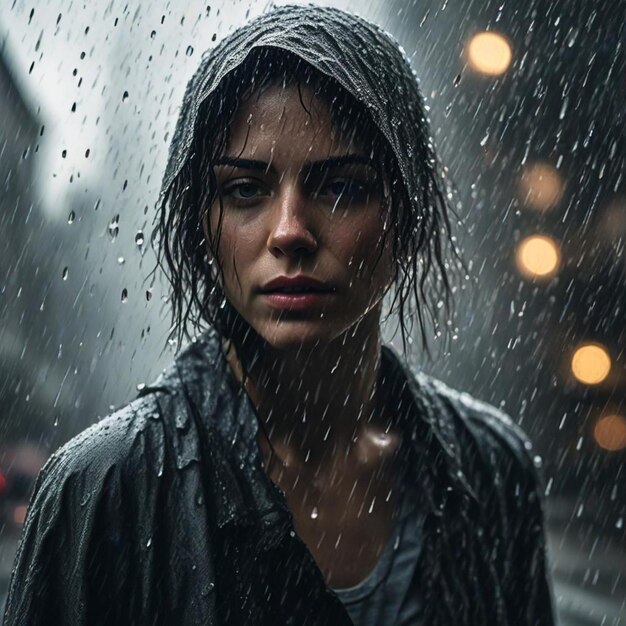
[{"x": 526, "y": 102}]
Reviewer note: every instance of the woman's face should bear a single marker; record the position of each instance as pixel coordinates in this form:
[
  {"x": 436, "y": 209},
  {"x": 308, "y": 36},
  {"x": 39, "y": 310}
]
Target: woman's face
[{"x": 299, "y": 198}]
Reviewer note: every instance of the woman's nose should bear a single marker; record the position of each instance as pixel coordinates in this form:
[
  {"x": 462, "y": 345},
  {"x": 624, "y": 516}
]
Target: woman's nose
[{"x": 291, "y": 228}]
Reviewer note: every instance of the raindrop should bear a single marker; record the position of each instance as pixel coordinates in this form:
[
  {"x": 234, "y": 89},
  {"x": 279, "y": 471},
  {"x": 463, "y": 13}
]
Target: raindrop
[
  {"x": 148, "y": 295},
  {"x": 70, "y": 217},
  {"x": 114, "y": 227},
  {"x": 121, "y": 260},
  {"x": 125, "y": 96},
  {"x": 139, "y": 238},
  {"x": 124, "y": 294},
  {"x": 65, "y": 271},
  {"x": 153, "y": 34},
  {"x": 457, "y": 80},
  {"x": 189, "y": 51},
  {"x": 314, "y": 513},
  {"x": 141, "y": 386},
  {"x": 149, "y": 542},
  {"x": 207, "y": 589}
]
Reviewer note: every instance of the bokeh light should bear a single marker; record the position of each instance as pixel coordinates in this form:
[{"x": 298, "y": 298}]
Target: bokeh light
[
  {"x": 610, "y": 432},
  {"x": 591, "y": 363},
  {"x": 538, "y": 257},
  {"x": 489, "y": 53},
  {"x": 19, "y": 514},
  {"x": 541, "y": 186}
]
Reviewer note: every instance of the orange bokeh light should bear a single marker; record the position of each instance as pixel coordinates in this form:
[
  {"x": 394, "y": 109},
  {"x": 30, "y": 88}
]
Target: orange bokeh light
[
  {"x": 541, "y": 186},
  {"x": 489, "y": 53},
  {"x": 538, "y": 256},
  {"x": 591, "y": 363},
  {"x": 610, "y": 432}
]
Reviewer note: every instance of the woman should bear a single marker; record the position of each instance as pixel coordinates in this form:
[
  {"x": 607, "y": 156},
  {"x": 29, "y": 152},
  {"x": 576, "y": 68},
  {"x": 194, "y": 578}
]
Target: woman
[{"x": 288, "y": 468}]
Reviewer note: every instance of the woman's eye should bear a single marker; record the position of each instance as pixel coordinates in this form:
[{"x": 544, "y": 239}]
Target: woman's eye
[
  {"x": 344, "y": 188},
  {"x": 244, "y": 191}
]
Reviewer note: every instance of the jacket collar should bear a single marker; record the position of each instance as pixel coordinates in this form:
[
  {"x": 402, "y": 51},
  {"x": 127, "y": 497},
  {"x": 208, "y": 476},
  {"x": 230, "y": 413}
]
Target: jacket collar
[{"x": 210, "y": 409}]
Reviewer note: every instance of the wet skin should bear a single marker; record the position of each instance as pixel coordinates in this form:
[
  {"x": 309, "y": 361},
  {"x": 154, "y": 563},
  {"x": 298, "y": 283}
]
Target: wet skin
[{"x": 301, "y": 197}]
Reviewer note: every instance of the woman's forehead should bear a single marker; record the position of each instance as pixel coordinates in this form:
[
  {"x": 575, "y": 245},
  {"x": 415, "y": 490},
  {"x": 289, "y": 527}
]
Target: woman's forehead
[{"x": 291, "y": 120}]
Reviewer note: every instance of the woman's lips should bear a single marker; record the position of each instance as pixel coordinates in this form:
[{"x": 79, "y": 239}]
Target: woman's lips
[{"x": 297, "y": 301}]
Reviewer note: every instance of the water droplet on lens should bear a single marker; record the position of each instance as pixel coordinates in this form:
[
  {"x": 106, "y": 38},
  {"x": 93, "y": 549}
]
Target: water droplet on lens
[{"x": 114, "y": 227}]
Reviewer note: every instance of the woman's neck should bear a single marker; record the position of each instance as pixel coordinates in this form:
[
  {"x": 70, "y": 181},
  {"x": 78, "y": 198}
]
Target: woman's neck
[{"x": 317, "y": 404}]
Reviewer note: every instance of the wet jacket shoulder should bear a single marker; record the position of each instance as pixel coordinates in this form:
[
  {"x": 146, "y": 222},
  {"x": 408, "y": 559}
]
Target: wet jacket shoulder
[
  {"x": 500, "y": 478},
  {"x": 86, "y": 554}
]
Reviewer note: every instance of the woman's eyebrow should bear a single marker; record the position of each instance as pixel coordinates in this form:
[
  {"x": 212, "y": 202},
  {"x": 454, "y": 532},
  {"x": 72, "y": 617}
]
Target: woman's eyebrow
[
  {"x": 244, "y": 164},
  {"x": 314, "y": 167},
  {"x": 308, "y": 167}
]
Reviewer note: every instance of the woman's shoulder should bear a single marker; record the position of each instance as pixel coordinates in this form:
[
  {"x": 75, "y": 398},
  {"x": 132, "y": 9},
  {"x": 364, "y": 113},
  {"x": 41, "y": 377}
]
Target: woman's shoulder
[
  {"x": 484, "y": 430},
  {"x": 122, "y": 440},
  {"x": 483, "y": 416},
  {"x": 137, "y": 435}
]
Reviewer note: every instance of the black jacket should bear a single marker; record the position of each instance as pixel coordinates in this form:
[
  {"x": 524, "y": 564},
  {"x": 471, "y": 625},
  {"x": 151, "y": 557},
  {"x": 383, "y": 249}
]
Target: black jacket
[{"x": 161, "y": 513}]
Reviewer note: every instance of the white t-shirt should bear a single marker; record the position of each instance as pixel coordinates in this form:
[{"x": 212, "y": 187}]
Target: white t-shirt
[{"x": 386, "y": 596}]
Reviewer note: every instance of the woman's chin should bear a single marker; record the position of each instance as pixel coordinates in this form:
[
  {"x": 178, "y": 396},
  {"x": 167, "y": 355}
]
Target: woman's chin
[{"x": 300, "y": 336}]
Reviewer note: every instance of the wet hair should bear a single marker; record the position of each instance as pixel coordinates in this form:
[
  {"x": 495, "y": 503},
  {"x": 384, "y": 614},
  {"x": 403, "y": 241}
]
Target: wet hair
[{"x": 421, "y": 270}]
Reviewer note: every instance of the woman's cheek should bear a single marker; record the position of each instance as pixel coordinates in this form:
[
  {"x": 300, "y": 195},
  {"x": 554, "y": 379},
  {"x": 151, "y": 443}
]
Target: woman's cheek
[{"x": 363, "y": 242}]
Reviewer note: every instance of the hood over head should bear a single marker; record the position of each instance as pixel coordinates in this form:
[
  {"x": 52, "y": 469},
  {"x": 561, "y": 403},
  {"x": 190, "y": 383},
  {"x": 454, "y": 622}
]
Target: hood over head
[
  {"x": 373, "y": 69},
  {"x": 359, "y": 55}
]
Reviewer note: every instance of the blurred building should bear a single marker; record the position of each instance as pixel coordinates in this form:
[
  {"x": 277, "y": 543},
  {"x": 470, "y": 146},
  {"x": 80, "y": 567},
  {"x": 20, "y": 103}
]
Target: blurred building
[{"x": 27, "y": 375}]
